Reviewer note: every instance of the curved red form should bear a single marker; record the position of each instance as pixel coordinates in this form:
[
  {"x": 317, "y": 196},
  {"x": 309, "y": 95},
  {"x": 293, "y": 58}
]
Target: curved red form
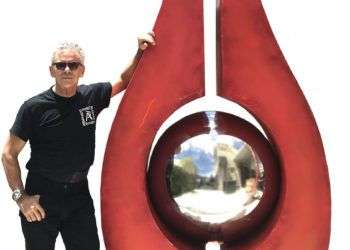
[
  {"x": 167, "y": 77},
  {"x": 255, "y": 75}
]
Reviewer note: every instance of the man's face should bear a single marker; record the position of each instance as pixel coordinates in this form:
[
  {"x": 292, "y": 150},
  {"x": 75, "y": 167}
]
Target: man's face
[{"x": 67, "y": 68}]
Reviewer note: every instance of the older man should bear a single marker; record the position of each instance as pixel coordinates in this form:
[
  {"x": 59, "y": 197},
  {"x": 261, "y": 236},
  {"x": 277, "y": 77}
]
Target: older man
[{"x": 60, "y": 125}]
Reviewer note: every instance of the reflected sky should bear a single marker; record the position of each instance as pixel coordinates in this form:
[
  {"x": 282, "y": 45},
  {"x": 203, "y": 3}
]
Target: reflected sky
[{"x": 201, "y": 149}]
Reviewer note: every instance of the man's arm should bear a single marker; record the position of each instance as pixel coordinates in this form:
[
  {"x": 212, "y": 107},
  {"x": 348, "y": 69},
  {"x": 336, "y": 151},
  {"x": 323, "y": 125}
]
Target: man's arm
[
  {"x": 123, "y": 81},
  {"x": 13, "y": 147},
  {"x": 29, "y": 205}
]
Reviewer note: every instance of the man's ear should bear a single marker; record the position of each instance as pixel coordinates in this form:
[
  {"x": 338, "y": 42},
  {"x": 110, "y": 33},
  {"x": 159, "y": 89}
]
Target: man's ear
[
  {"x": 82, "y": 70},
  {"x": 51, "y": 71}
]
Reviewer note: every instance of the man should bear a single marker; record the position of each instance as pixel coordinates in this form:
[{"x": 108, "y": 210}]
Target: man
[{"x": 60, "y": 126}]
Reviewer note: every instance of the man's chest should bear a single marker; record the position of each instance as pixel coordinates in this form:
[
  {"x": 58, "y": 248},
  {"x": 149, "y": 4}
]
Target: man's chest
[{"x": 73, "y": 121}]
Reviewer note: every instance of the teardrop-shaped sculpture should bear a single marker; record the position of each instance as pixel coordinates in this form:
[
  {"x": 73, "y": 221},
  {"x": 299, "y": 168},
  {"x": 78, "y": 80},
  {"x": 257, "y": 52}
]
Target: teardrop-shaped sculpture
[{"x": 253, "y": 74}]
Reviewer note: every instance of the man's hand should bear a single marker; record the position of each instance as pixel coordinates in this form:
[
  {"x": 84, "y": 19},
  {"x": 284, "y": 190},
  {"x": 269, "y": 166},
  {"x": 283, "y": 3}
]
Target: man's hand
[
  {"x": 145, "y": 39},
  {"x": 31, "y": 208},
  {"x": 29, "y": 205}
]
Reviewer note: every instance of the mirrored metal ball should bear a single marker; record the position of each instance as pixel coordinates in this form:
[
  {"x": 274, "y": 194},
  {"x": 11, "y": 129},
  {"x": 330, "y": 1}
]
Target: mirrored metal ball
[{"x": 215, "y": 178}]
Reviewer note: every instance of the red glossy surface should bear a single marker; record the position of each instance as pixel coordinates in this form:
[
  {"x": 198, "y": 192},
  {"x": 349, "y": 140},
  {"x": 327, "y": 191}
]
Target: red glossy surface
[
  {"x": 255, "y": 75},
  {"x": 166, "y": 207},
  {"x": 167, "y": 77}
]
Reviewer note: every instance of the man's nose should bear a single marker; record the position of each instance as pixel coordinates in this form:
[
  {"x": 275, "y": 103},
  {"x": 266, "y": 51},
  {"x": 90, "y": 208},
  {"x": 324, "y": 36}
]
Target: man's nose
[{"x": 67, "y": 69}]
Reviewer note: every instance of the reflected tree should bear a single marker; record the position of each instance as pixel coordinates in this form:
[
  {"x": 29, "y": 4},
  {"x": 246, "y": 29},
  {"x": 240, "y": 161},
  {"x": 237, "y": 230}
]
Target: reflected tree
[{"x": 183, "y": 177}]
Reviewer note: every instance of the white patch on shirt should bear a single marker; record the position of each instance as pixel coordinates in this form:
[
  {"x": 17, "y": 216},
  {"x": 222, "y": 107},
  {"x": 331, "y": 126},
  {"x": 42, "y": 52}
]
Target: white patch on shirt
[{"x": 87, "y": 115}]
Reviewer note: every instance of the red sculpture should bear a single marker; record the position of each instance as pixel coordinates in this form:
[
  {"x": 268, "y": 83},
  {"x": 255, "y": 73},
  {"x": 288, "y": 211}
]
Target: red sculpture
[{"x": 252, "y": 73}]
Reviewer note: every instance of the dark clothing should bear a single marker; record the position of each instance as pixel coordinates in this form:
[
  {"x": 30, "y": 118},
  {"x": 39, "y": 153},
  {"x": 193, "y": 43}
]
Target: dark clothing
[
  {"x": 69, "y": 210},
  {"x": 61, "y": 131}
]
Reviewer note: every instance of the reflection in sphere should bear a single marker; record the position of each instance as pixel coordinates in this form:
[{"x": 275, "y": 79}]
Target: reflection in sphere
[{"x": 215, "y": 178}]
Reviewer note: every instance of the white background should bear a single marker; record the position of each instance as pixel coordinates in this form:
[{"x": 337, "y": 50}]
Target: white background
[{"x": 314, "y": 36}]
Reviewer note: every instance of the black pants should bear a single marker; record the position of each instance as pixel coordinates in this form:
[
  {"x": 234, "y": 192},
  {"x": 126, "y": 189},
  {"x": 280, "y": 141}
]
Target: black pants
[{"x": 69, "y": 210}]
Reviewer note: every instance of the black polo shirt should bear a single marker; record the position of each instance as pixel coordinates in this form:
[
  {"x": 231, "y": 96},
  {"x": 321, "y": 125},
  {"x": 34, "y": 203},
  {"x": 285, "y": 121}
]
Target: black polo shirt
[{"x": 61, "y": 131}]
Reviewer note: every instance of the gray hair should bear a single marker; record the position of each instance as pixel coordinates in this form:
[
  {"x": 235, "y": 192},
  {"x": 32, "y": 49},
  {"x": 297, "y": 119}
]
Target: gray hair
[{"x": 69, "y": 45}]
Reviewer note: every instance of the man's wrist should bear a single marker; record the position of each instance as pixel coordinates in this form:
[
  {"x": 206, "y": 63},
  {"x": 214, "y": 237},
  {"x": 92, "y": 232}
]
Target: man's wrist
[
  {"x": 139, "y": 52},
  {"x": 21, "y": 200},
  {"x": 17, "y": 194}
]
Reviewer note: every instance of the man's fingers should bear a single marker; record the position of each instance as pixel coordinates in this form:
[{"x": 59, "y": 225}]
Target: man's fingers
[
  {"x": 150, "y": 38},
  {"x": 31, "y": 208},
  {"x": 41, "y": 211},
  {"x": 28, "y": 217},
  {"x": 146, "y": 39},
  {"x": 144, "y": 46},
  {"x": 39, "y": 207},
  {"x": 36, "y": 214},
  {"x": 31, "y": 217}
]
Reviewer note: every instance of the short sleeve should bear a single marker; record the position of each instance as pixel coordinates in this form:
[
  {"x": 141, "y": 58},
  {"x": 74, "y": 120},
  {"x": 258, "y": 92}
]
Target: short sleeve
[
  {"x": 102, "y": 93},
  {"x": 23, "y": 124}
]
